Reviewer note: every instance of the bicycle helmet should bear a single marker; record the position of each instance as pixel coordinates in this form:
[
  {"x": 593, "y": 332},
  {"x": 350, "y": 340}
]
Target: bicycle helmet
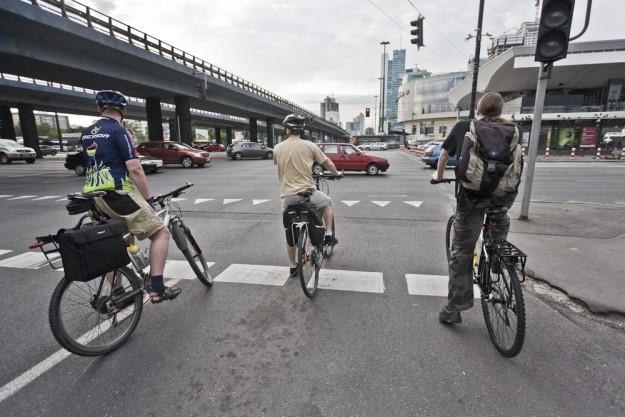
[
  {"x": 294, "y": 121},
  {"x": 111, "y": 99}
]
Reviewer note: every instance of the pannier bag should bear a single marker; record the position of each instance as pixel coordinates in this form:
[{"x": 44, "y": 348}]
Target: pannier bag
[
  {"x": 300, "y": 213},
  {"x": 93, "y": 249},
  {"x": 491, "y": 160}
]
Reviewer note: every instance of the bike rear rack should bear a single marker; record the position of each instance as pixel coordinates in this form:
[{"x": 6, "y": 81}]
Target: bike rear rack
[{"x": 509, "y": 255}]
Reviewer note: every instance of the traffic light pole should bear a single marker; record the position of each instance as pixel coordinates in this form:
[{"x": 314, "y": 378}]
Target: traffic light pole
[
  {"x": 541, "y": 87},
  {"x": 476, "y": 60}
]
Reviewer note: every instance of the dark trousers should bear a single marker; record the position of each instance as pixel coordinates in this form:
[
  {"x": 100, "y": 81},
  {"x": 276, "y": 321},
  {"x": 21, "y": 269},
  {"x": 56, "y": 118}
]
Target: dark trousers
[{"x": 468, "y": 223}]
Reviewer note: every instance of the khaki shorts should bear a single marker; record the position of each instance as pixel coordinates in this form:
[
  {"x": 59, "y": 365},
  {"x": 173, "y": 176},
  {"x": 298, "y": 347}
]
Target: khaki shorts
[
  {"x": 132, "y": 209},
  {"x": 318, "y": 199}
]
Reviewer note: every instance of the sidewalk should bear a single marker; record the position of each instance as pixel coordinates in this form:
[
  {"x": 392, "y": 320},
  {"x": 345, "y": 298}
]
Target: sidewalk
[{"x": 578, "y": 248}]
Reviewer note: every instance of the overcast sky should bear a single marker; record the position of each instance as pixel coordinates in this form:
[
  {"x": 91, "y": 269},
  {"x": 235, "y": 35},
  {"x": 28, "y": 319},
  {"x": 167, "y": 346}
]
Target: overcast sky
[{"x": 304, "y": 50}]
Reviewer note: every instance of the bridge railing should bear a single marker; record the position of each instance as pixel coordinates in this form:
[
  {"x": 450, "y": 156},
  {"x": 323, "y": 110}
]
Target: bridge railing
[{"x": 86, "y": 16}]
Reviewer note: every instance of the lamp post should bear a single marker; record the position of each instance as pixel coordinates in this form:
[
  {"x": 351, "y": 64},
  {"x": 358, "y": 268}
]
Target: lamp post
[
  {"x": 382, "y": 121},
  {"x": 375, "y": 113},
  {"x": 476, "y": 59}
]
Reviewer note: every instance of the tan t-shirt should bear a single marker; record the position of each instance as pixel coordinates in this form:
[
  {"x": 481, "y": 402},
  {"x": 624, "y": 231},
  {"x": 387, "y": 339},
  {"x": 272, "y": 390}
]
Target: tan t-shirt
[{"x": 294, "y": 158}]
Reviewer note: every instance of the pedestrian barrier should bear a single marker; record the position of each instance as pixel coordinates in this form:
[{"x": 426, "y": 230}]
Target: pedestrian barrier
[
  {"x": 573, "y": 153},
  {"x": 547, "y": 152},
  {"x": 598, "y": 155},
  {"x": 623, "y": 154}
]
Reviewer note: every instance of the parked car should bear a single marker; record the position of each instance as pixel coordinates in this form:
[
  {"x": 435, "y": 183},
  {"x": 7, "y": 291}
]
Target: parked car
[
  {"x": 76, "y": 163},
  {"x": 211, "y": 147},
  {"x": 242, "y": 150},
  {"x": 47, "y": 150},
  {"x": 175, "y": 153},
  {"x": 11, "y": 151},
  {"x": 420, "y": 149},
  {"x": 431, "y": 154},
  {"x": 347, "y": 157}
]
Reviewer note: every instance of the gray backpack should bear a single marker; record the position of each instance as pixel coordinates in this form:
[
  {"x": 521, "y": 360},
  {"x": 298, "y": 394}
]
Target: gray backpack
[{"x": 491, "y": 160}]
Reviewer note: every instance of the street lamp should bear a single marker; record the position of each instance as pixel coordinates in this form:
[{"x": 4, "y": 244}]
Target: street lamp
[{"x": 383, "y": 99}]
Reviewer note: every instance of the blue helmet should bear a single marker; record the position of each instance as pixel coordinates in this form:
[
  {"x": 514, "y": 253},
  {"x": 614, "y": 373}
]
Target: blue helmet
[{"x": 111, "y": 99}]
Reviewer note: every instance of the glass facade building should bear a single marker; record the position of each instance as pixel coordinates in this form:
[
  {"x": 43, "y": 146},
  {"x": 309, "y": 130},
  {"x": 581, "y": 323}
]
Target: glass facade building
[
  {"x": 427, "y": 95},
  {"x": 396, "y": 68}
]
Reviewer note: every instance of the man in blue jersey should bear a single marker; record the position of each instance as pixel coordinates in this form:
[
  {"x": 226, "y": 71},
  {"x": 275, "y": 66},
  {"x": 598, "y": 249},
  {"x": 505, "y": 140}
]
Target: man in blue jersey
[{"x": 113, "y": 166}]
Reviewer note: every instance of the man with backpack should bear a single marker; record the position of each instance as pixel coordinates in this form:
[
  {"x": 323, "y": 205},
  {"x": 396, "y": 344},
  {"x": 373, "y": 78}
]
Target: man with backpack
[{"x": 489, "y": 168}]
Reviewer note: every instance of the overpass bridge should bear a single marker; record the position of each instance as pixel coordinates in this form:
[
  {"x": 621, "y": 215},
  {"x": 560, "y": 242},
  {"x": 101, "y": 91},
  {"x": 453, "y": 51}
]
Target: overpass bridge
[{"x": 64, "y": 41}]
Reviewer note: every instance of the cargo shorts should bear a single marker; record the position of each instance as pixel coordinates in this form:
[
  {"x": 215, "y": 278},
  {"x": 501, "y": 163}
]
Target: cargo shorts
[{"x": 131, "y": 208}]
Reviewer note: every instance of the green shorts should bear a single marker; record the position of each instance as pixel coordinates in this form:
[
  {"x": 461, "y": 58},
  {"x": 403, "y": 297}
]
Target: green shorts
[{"x": 132, "y": 209}]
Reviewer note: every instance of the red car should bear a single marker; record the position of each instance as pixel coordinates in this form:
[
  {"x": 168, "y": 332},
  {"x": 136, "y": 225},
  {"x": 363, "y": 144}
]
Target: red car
[
  {"x": 175, "y": 153},
  {"x": 211, "y": 147},
  {"x": 347, "y": 157}
]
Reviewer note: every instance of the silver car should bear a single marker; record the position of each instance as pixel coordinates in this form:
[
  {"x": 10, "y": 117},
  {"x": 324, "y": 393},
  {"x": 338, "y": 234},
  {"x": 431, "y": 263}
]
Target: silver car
[
  {"x": 10, "y": 151},
  {"x": 242, "y": 150}
]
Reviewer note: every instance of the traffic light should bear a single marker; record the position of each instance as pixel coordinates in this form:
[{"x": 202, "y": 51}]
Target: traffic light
[
  {"x": 367, "y": 112},
  {"x": 417, "y": 32},
  {"x": 554, "y": 30}
]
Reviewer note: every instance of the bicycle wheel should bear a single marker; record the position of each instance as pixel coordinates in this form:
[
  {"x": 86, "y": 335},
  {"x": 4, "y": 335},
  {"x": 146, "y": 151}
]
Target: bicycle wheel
[
  {"x": 191, "y": 251},
  {"x": 328, "y": 250},
  {"x": 449, "y": 236},
  {"x": 504, "y": 310},
  {"x": 308, "y": 263},
  {"x": 89, "y": 319}
]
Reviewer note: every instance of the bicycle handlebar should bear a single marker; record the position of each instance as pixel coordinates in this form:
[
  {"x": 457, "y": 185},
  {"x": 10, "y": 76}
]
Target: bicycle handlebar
[
  {"x": 174, "y": 194},
  {"x": 444, "y": 180},
  {"x": 330, "y": 176}
]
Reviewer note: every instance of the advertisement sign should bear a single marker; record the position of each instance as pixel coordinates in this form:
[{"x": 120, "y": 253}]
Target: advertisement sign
[
  {"x": 566, "y": 138},
  {"x": 589, "y": 137}
]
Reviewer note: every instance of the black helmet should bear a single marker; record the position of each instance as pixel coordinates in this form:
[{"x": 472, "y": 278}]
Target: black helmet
[
  {"x": 111, "y": 99},
  {"x": 294, "y": 121}
]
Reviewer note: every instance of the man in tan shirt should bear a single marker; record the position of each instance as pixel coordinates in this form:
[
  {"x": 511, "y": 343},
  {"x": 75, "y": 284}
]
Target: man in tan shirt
[{"x": 295, "y": 158}]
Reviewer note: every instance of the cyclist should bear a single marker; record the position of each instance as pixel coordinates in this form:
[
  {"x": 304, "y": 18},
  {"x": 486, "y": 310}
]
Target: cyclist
[
  {"x": 295, "y": 158},
  {"x": 469, "y": 209},
  {"x": 112, "y": 166}
]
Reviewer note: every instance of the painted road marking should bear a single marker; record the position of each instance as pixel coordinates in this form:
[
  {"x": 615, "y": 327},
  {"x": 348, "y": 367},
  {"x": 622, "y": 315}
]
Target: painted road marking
[
  {"x": 5, "y": 251},
  {"x": 357, "y": 281},
  {"x": 47, "y": 197},
  {"x": 414, "y": 203},
  {"x": 257, "y": 202},
  {"x": 231, "y": 200},
  {"x": 177, "y": 199},
  {"x": 431, "y": 285},
  {"x": 255, "y": 274},
  {"x": 62, "y": 199},
  {"x": 381, "y": 203},
  {"x": 202, "y": 200},
  {"x": 21, "y": 197},
  {"x": 26, "y": 260},
  {"x": 350, "y": 203},
  {"x": 6, "y": 195},
  {"x": 180, "y": 270}
]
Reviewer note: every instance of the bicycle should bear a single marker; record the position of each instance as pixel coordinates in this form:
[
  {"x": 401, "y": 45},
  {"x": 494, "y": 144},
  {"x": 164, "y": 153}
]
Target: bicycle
[
  {"x": 311, "y": 251},
  {"x": 98, "y": 316},
  {"x": 494, "y": 271}
]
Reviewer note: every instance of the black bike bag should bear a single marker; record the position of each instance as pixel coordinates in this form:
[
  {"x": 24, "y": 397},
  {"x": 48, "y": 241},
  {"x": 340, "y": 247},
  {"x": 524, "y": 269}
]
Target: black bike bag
[{"x": 93, "y": 249}]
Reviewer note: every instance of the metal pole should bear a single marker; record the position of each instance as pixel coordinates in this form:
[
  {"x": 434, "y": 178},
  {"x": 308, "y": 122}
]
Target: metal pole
[
  {"x": 375, "y": 114},
  {"x": 476, "y": 60},
  {"x": 58, "y": 131},
  {"x": 541, "y": 87}
]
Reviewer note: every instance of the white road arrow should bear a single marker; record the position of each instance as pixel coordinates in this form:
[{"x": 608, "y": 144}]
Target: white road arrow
[
  {"x": 381, "y": 203},
  {"x": 47, "y": 197},
  {"x": 350, "y": 203},
  {"x": 202, "y": 200},
  {"x": 175, "y": 200},
  {"x": 414, "y": 203},
  {"x": 231, "y": 200},
  {"x": 256, "y": 202}
]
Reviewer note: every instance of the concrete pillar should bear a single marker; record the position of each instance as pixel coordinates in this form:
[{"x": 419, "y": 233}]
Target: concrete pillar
[
  {"x": 218, "y": 135},
  {"x": 270, "y": 132},
  {"x": 173, "y": 130},
  {"x": 155, "y": 118},
  {"x": 253, "y": 130},
  {"x": 7, "y": 128},
  {"x": 228, "y": 136},
  {"x": 29, "y": 127},
  {"x": 183, "y": 116}
]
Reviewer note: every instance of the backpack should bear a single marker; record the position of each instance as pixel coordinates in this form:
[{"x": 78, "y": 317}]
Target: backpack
[{"x": 491, "y": 160}]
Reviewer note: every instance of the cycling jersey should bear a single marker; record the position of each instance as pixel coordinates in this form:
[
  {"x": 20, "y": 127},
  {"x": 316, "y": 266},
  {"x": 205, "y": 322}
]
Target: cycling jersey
[{"x": 107, "y": 147}]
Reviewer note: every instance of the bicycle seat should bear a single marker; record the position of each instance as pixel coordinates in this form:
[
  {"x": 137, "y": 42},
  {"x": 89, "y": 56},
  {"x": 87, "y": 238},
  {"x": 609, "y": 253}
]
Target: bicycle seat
[
  {"x": 86, "y": 196},
  {"x": 306, "y": 193},
  {"x": 496, "y": 210}
]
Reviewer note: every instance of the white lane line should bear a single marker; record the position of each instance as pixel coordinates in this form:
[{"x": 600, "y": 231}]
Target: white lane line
[
  {"x": 5, "y": 251},
  {"x": 260, "y": 201},
  {"x": 357, "y": 281},
  {"x": 255, "y": 274},
  {"x": 47, "y": 197},
  {"x": 6, "y": 195},
  {"x": 180, "y": 270},
  {"x": 62, "y": 199},
  {"x": 414, "y": 203},
  {"x": 26, "y": 260},
  {"x": 21, "y": 197},
  {"x": 202, "y": 200},
  {"x": 431, "y": 285},
  {"x": 350, "y": 203},
  {"x": 48, "y": 363},
  {"x": 387, "y": 195},
  {"x": 176, "y": 199},
  {"x": 231, "y": 200},
  {"x": 381, "y": 203}
]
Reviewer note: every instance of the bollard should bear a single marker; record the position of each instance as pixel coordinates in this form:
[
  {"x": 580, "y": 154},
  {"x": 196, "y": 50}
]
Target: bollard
[
  {"x": 572, "y": 153},
  {"x": 598, "y": 153},
  {"x": 547, "y": 152},
  {"x": 623, "y": 154}
]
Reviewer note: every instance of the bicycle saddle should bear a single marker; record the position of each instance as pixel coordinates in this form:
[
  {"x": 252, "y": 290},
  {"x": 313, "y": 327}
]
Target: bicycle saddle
[
  {"x": 306, "y": 193},
  {"x": 496, "y": 210}
]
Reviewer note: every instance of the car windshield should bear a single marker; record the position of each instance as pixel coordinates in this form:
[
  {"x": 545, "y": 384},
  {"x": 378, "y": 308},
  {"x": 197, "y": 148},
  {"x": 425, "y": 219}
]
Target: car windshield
[
  {"x": 182, "y": 146},
  {"x": 9, "y": 143}
]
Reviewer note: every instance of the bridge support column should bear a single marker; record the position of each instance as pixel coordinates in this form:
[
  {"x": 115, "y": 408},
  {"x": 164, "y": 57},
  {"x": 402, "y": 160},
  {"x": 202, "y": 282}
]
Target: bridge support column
[
  {"x": 218, "y": 135},
  {"x": 270, "y": 132},
  {"x": 228, "y": 136},
  {"x": 253, "y": 130},
  {"x": 7, "y": 128},
  {"x": 173, "y": 130},
  {"x": 183, "y": 117},
  {"x": 29, "y": 127},
  {"x": 155, "y": 118}
]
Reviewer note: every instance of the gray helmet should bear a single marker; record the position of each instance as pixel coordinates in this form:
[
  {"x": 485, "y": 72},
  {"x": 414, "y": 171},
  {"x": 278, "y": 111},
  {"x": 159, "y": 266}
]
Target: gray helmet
[{"x": 294, "y": 121}]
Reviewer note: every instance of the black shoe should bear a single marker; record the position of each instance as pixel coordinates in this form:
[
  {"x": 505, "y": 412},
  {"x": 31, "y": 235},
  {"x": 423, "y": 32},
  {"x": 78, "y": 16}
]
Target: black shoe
[
  {"x": 330, "y": 240},
  {"x": 292, "y": 272},
  {"x": 168, "y": 293},
  {"x": 449, "y": 316}
]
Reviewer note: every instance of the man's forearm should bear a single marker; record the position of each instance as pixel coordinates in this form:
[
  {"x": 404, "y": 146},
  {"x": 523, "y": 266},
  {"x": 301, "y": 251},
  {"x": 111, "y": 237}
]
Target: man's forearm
[
  {"x": 141, "y": 183},
  {"x": 329, "y": 165},
  {"x": 442, "y": 163}
]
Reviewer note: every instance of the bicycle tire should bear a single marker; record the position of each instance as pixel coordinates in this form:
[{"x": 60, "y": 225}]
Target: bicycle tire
[
  {"x": 328, "y": 250},
  {"x": 509, "y": 288},
  {"x": 82, "y": 343},
  {"x": 449, "y": 236},
  {"x": 191, "y": 251},
  {"x": 307, "y": 266}
]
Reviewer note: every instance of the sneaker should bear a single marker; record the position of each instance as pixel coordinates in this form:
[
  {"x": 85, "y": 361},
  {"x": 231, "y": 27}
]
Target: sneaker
[
  {"x": 292, "y": 272},
  {"x": 330, "y": 240},
  {"x": 449, "y": 316},
  {"x": 168, "y": 293}
]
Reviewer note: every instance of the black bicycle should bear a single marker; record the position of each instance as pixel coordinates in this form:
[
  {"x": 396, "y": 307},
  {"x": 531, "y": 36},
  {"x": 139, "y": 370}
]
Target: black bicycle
[
  {"x": 495, "y": 272},
  {"x": 95, "y": 317},
  {"x": 309, "y": 232}
]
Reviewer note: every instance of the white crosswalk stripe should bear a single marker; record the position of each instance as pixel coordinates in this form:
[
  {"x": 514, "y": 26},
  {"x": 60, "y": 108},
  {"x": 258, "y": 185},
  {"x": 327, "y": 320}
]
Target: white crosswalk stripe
[
  {"x": 21, "y": 197},
  {"x": 47, "y": 197},
  {"x": 254, "y": 274},
  {"x": 6, "y": 195},
  {"x": 432, "y": 285},
  {"x": 202, "y": 200},
  {"x": 350, "y": 203},
  {"x": 180, "y": 269},
  {"x": 231, "y": 200},
  {"x": 381, "y": 203},
  {"x": 26, "y": 260},
  {"x": 260, "y": 201},
  {"x": 357, "y": 281},
  {"x": 416, "y": 204},
  {"x": 5, "y": 251}
]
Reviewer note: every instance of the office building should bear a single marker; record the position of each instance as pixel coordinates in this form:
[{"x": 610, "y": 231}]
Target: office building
[
  {"x": 329, "y": 110},
  {"x": 395, "y": 71}
]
